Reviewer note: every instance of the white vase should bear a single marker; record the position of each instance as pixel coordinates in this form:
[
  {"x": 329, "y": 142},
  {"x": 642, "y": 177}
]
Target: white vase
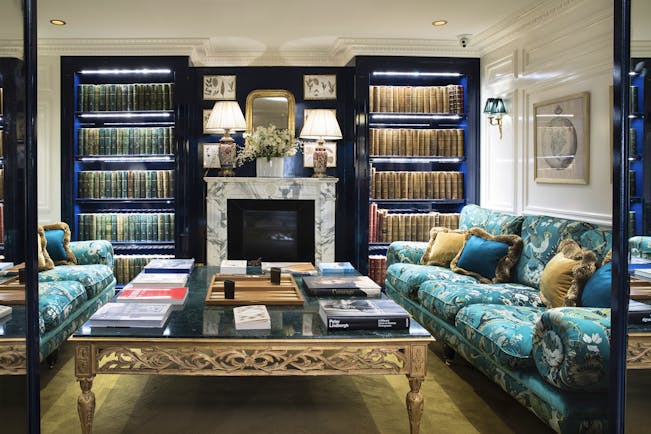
[{"x": 272, "y": 168}]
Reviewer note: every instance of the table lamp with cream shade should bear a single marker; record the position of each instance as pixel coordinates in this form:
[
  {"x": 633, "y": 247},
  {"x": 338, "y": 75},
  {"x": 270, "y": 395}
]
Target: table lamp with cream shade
[
  {"x": 226, "y": 117},
  {"x": 321, "y": 124}
]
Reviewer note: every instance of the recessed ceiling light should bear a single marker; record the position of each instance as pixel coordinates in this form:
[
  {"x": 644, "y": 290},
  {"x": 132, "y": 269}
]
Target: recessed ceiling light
[
  {"x": 439, "y": 23},
  {"x": 58, "y": 22}
]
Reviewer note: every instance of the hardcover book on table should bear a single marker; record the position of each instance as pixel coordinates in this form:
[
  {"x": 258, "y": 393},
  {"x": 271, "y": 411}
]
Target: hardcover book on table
[
  {"x": 169, "y": 266},
  {"x": 131, "y": 315},
  {"x": 251, "y": 317},
  {"x": 341, "y": 285},
  {"x": 297, "y": 268},
  {"x": 131, "y": 294},
  {"x": 639, "y": 313},
  {"x": 336, "y": 267},
  {"x": 359, "y": 314},
  {"x": 159, "y": 280}
]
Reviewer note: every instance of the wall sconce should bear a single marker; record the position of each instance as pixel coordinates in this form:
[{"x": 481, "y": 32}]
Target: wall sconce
[{"x": 495, "y": 108}]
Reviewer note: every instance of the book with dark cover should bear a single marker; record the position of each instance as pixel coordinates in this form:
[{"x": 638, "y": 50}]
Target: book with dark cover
[
  {"x": 363, "y": 315},
  {"x": 353, "y": 285},
  {"x": 171, "y": 265},
  {"x": 639, "y": 313}
]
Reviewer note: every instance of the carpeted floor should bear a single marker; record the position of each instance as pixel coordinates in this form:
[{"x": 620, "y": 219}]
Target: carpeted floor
[{"x": 458, "y": 399}]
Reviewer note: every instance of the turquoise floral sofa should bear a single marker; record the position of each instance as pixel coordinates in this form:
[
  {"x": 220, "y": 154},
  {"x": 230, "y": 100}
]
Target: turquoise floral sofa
[
  {"x": 69, "y": 294},
  {"x": 554, "y": 361}
]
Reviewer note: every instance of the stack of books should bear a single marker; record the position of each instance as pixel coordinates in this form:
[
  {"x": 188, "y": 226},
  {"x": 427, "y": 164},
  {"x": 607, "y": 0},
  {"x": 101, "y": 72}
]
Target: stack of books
[
  {"x": 353, "y": 285},
  {"x": 336, "y": 267},
  {"x": 363, "y": 315},
  {"x": 169, "y": 266},
  {"x": 295, "y": 268}
]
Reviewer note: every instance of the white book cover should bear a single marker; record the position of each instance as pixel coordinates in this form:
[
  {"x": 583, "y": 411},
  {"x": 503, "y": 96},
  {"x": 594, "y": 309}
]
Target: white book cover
[
  {"x": 5, "y": 311},
  {"x": 159, "y": 280},
  {"x": 233, "y": 266},
  {"x": 251, "y": 317},
  {"x": 131, "y": 315}
]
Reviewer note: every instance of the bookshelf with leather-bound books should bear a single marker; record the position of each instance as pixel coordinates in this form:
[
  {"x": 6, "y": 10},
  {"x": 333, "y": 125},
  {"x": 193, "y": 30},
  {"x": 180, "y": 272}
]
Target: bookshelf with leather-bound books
[
  {"x": 418, "y": 159},
  {"x": 121, "y": 127}
]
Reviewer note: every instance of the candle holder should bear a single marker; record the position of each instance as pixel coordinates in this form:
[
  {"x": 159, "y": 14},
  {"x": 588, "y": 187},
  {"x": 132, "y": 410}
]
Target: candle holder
[{"x": 229, "y": 289}]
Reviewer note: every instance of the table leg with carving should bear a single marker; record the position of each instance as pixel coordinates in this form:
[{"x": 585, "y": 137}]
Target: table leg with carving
[
  {"x": 86, "y": 405},
  {"x": 416, "y": 376}
]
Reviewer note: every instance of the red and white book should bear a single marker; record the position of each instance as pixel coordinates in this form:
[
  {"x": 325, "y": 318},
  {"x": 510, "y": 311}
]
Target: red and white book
[{"x": 175, "y": 296}]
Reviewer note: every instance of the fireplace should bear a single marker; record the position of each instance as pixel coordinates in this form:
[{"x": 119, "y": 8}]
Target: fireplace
[
  {"x": 274, "y": 230},
  {"x": 319, "y": 193}
]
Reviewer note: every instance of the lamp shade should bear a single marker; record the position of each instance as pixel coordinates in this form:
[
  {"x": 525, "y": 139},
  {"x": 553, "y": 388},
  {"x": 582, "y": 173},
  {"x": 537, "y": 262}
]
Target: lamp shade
[
  {"x": 499, "y": 108},
  {"x": 226, "y": 115},
  {"x": 490, "y": 104},
  {"x": 321, "y": 124}
]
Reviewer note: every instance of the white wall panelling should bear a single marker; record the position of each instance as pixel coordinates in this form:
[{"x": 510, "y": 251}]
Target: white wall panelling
[{"x": 569, "y": 50}]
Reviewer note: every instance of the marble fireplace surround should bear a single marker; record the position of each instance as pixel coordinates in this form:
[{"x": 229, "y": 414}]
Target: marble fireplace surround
[{"x": 220, "y": 189}]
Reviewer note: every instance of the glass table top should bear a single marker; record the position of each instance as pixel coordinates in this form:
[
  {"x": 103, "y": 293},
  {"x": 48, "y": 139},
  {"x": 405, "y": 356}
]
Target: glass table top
[
  {"x": 14, "y": 325},
  {"x": 197, "y": 320}
]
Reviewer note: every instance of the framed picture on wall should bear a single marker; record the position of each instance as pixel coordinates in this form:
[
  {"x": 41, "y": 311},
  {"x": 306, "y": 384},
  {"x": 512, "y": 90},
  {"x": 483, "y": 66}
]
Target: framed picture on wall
[
  {"x": 308, "y": 153},
  {"x": 319, "y": 86},
  {"x": 219, "y": 87},
  {"x": 562, "y": 140}
]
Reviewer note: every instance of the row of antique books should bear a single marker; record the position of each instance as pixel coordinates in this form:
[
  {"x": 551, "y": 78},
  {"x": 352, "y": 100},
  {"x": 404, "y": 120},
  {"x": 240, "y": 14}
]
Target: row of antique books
[
  {"x": 2, "y": 182},
  {"x": 126, "y": 141},
  {"x": 386, "y": 227},
  {"x": 416, "y": 99},
  {"x": 125, "y": 97},
  {"x": 126, "y": 184},
  {"x": 126, "y": 226},
  {"x": 416, "y": 142},
  {"x": 126, "y": 267},
  {"x": 377, "y": 268},
  {"x": 416, "y": 185}
]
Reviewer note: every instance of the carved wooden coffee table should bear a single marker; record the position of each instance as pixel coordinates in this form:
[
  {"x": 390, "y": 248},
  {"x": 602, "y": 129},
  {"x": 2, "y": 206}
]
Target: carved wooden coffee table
[
  {"x": 13, "y": 349},
  {"x": 201, "y": 340}
]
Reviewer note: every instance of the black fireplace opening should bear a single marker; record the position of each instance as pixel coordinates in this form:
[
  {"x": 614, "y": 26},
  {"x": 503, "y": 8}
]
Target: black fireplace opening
[{"x": 274, "y": 230}]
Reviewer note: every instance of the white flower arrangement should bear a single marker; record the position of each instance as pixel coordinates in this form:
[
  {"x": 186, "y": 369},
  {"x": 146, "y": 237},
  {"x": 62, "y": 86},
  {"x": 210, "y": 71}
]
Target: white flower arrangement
[{"x": 268, "y": 142}]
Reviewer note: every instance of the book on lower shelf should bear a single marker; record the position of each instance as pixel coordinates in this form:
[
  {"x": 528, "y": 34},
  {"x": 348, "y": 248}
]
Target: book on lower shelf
[
  {"x": 642, "y": 273},
  {"x": 174, "y": 296},
  {"x": 348, "y": 314},
  {"x": 159, "y": 280},
  {"x": 298, "y": 268},
  {"x": 639, "y": 313},
  {"x": 336, "y": 267},
  {"x": 349, "y": 285},
  {"x": 153, "y": 315},
  {"x": 251, "y": 317},
  {"x": 172, "y": 265}
]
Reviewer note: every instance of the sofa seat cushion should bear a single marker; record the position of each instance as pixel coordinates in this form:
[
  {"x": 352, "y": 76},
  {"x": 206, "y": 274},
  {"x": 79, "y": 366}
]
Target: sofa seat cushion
[
  {"x": 407, "y": 278},
  {"x": 94, "y": 277},
  {"x": 503, "y": 332},
  {"x": 445, "y": 299},
  {"x": 57, "y": 300}
]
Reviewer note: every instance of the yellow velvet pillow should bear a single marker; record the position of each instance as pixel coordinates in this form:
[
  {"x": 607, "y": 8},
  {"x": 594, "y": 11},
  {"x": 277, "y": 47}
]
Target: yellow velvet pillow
[
  {"x": 44, "y": 260},
  {"x": 566, "y": 274},
  {"x": 444, "y": 244}
]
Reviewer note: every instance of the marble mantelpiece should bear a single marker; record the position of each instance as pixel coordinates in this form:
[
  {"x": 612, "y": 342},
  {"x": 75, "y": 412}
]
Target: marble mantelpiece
[{"x": 220, "y": 189}]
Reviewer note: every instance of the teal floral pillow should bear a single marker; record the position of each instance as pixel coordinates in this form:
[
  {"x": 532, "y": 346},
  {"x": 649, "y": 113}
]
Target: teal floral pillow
[{"x": 58, "y": 243}]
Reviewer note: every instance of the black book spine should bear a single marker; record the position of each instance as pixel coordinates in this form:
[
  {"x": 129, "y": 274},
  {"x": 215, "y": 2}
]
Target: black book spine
[
  {"x": 639, "y": 318},
  {"x": 360, "y": 323}
]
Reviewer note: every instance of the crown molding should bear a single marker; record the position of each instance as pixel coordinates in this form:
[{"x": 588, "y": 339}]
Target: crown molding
[
  {"x": 11, "y": 48},
  {"x": 521, "y": 22},
  {"x": 116, "y": 47},
  {"x": 640, "y": 48}
]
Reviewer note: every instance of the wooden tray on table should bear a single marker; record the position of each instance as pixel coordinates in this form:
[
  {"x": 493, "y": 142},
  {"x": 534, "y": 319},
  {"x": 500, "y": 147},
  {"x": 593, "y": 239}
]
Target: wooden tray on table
[
  {"x": 640, "y": 289},
  {"x": 255, "y": 289}
]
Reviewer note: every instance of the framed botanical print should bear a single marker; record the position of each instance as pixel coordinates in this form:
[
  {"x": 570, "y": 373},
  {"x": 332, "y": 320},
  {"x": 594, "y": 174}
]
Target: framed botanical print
[
  {"x": 562, "y": 140},
  {"x": 219, "y": 87},
  {"x": 319, "y": 86}
]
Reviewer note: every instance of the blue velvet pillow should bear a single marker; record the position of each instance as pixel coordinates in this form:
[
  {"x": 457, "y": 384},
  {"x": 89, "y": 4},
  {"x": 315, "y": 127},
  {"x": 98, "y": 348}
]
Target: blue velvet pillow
[
  {"x": 58, "y": 239},
  {"x": 596, "y": 292},
  {"x": 488, "y": 258}
]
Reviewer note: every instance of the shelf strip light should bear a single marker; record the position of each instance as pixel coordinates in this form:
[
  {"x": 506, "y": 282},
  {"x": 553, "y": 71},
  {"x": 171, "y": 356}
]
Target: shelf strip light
[
  {"x": 376, "y": 124},
  {"x": 416, "y": 160},
  {"x": 127, "y": 158},
  {"x": 416, "y": 74},
  {"x": 125, "y": 71},
  {"x": 126, "y": 115},
  {"x": 414, "y": 116}
]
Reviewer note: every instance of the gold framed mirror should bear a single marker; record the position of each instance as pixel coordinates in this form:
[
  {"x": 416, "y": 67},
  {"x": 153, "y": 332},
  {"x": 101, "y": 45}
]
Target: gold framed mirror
[{"x": 270, "y": 106}]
